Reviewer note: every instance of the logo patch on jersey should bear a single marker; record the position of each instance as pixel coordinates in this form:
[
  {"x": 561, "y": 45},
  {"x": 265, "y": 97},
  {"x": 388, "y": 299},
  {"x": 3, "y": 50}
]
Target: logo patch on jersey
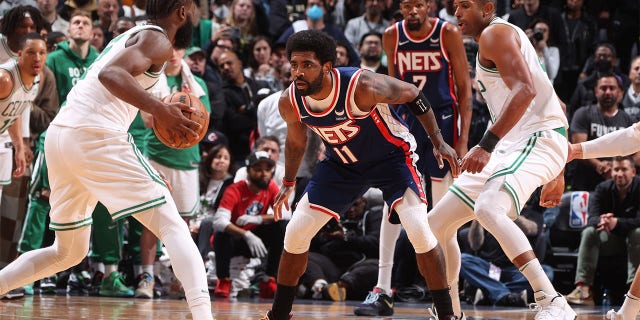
[
  {"x": 254, "y": 208},
  {"x": 339, "y": 133},
  {"x": 419, "y": 61}
]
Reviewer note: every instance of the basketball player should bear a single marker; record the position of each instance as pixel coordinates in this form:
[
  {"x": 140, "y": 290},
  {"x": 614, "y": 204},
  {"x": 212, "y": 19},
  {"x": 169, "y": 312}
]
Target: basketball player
[
  {"x": 17, "y": 91},
  {"x": 525, "y": 148},
  {"x": 429, "y": 53},
  {"x": 367, "y": 146},
  {"x": 102, "y": 164},
  {"x": 621, "y": 142}
]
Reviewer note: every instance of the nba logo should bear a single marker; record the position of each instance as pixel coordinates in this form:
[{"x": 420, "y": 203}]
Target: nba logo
[{"x": 578, "y": 209}]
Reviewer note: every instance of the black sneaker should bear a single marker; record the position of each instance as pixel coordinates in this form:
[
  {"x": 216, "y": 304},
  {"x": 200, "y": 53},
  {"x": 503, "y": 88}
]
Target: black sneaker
[
  {"x": 376, "y": 304},
  {"x": 513, "y": 300},
  {"x": 16, "y": 293},
  {"x": 48, "y": 285},
  {"x": 96, "y": 281},
  {"x": 79, "y": 284}
]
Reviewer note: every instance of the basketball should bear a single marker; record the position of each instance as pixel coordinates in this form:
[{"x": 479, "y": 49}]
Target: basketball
[{"x": 199, "y": 115}]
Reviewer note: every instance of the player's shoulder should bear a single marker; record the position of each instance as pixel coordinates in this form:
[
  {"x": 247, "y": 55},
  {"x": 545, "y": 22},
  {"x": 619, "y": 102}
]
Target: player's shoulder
[{"x": 6, "y": 83}]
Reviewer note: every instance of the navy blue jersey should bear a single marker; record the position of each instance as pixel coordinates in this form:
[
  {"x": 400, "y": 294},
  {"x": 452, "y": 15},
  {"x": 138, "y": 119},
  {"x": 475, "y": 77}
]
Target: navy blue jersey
[
  {"x": 364, "y": 150},
  {"x": 424, "y": 62}
]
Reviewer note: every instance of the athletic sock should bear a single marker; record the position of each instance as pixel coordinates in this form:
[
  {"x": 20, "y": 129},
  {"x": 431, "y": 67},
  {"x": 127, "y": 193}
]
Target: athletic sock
[
  {"x": 538, "y": 280},
  {"x": 148, "y": 269},
  {"x": 109, "y": 268},
  {"x": 442, "y": 302},
  {"x": 283, "y": 301},
  {"x": 630, "y": 307}
]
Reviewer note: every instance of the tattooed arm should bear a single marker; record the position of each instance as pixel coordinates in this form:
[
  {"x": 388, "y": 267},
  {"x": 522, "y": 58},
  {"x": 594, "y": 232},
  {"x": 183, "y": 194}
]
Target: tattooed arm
[{"x": 374, "y": 88}]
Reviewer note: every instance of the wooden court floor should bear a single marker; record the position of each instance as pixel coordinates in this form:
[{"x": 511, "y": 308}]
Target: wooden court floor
[{"x": 69, "y": 307}]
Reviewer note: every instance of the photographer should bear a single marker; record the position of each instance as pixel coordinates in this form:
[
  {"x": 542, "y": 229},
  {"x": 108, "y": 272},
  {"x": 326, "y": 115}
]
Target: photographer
[{"x": 549, "y": 55}]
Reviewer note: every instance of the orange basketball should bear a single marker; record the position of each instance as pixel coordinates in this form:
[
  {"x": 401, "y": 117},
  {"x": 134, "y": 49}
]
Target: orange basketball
[{"x": 200, "y": 115}]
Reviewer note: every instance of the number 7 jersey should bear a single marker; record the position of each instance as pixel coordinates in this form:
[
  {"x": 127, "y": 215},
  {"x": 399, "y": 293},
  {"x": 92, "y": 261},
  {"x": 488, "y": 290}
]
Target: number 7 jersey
[{"x": 353, "y": 137}]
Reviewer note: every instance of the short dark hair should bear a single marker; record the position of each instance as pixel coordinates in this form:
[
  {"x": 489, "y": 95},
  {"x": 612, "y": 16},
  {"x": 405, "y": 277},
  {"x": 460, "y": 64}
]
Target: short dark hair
[
  {"x": 29, "y": 36},
  {"x": 14, "y": 17},
  {"x": 609, "y": 74},
  {"x": 262, "y": 140},
  {"x": 323, "y": 45},
  {"x": 370, "y": 33},
  {"x": 157, "y": 9},
  {"x": 623, "y": 158}
]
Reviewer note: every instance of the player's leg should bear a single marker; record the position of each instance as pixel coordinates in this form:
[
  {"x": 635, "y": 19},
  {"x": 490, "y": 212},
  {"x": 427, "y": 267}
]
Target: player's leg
[
  {"x": 631, "y": 305},
  {"x": 412, "y": 212},
  {"x": 167, "y": 225},
  {"x": 304, "y": 225}
]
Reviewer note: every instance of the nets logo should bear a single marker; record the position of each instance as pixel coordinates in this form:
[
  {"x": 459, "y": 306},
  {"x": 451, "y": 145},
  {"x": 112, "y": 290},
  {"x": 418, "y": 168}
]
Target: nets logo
[
  {"x": 419, "y": 61},
  {"x": 578, "y": 209},
  {"x": 339, "y": 133}
]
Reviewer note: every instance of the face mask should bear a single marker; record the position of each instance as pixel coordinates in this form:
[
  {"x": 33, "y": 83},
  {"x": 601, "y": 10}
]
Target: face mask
[
  {"x": 603, "y": 66},
  {"x": 314, "y": 13}
]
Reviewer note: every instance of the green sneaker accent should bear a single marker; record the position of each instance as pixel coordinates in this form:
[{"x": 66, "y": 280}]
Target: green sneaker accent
[
  {"x": 113, "y": 286},
  {"x": 28, "y": 289}
]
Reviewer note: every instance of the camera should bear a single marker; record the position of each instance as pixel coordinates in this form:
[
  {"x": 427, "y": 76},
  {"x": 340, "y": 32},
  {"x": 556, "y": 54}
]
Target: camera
[
  {"x": 538, "y": 34},
  {"x": 235, "y": 33}
]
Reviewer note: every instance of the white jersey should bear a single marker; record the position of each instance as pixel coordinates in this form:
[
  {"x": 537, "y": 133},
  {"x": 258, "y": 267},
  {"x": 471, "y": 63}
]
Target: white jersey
[
  {"x": 543, "y": 113},
  {"x": 19, "y": 100},
  {"x": 90, "y": 104},
  {"x": 5, "y": 52}
]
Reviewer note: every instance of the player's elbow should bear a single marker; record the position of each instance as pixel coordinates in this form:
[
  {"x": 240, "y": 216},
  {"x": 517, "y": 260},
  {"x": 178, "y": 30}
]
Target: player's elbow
[
  {"x": 105, "y": 76},
  {"x": 528, "y": 92}
]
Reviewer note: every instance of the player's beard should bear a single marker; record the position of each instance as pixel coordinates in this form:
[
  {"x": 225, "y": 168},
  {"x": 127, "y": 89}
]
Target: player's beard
[
  {"x": 184, "y": 35},
  {"x": 312, "y": 87},
  {"x": 414, "y": 26}
]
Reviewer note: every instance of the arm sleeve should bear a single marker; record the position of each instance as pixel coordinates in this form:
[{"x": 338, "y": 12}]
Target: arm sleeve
[
  {"x": 222, "y": 217},
  {"x": 617, "y": 143}
]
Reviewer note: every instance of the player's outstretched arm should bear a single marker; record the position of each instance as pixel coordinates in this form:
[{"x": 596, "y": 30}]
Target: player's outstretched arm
[
  {"x": 376, "y": 88},
  {"x": 294, "y": 147},
  {"x": 617, "y": 143}
]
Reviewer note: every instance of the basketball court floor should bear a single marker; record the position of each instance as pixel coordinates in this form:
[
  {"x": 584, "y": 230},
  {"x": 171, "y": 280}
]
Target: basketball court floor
[{"x": 94, "y": 308}]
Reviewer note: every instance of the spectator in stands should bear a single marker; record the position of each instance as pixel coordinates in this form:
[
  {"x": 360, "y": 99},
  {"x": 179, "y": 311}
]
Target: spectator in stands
[
  {"x": 282, "y": 13},
  {"x": 97, "y": 38},
  {"x": 107, "y": 17},
  {"x": 371, "y": 21},
  {"x": 122, "y": 25},
  {"x": 259, "y": 67},
  {"x": 342, "y": 54},
  {"x": 604, "y": 62},
  {"x": 48, "y": 9},
  {"x": 241, "y": 96},
  {"x": 580, "y": 32},
  {"x": 242, "y": 225},
  {"x": 531, "y": 9},
  {"x": 72, "y": 5},
  {"x": 548, "y": 54},
  {"x": 447, "y": 13},
  {"x": 270, "y": 145},
  {"x": 631, "y": 100},
  {"x": 593, "y": 121},
  {"x": 136, "y": 11},
  {"x": 317, "y": 20},
  {"x": 625, "y": 24},
  {"x": 612, "y": 226},
  {"x": 371, "y": 52},
  {"x": 247, "y": 20},
  {"x": 343, "y": 259}
]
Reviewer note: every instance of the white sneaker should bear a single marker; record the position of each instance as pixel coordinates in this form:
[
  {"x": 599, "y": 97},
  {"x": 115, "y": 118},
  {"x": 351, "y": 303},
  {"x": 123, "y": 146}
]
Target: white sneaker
[
  {"x": 552, "y": 307},
  {"x": 613, "y": 315}
]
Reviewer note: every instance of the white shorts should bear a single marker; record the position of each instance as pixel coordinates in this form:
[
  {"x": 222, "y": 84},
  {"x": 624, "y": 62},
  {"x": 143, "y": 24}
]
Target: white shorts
[
  {"x": 185, "y": 186},
  {"x": 87, "y": 165},
  {"x": 6, "y": 165},
  {"x": 522, "y": 167}
]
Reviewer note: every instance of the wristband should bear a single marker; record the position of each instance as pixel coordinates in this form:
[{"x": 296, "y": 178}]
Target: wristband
[
  {"x": 489, "y": 141},
  {"x": 288, "y": 183},
  {"x": 420, "y": 105}
]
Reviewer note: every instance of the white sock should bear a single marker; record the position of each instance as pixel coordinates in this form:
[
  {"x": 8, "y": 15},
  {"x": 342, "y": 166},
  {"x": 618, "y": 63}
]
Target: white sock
[
  {"x": 98, "y": 267},
  {"x": 389, "y": 234},
  {"x": 630, "y": 307},
  {"x": 148, "y": 269},
  {"x": 109, "y": 268},
  {"x": 538, "y": 280}
]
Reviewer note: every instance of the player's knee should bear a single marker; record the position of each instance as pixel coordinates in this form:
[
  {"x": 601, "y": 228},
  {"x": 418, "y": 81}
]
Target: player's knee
[
  {"x": 491, "y": 203},
  {"x": 414, "y": 220},
  {"x": 71, "y": 255}
]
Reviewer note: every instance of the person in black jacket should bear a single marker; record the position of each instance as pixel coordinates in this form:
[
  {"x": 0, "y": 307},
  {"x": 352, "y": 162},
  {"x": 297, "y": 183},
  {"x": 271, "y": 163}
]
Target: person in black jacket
[{"x": 612, "y": 226}]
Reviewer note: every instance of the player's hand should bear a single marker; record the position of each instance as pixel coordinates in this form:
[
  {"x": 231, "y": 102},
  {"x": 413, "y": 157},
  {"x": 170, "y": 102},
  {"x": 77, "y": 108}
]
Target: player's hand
[
  {"x": 552, "y": 192},
  {"x": 461, "y": 147},
  {"x": 170, "y": 117},
  {"x": 282, "y": 198},
  {"x": 21, "y": 164},
  {"x": 28, "y": 156},
  {"x": 475, "y": 160},
  {"x": 445, "y": 151},
  {"x": 246, "y": 219},
  {"x": 256, "y": 246}
]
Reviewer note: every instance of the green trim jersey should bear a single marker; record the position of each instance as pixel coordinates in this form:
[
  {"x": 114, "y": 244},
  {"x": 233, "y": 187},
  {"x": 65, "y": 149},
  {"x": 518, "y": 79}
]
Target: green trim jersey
[
  {"x": 19, "y": 101},
  {"x": 5, "y": 52},
  {"x": 90, "y": 104},
  {"x": 544, "y": 112}
]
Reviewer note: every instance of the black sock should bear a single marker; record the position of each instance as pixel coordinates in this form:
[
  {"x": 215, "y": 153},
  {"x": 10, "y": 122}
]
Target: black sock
[
  {"x": 442, "y": 302},
  {"x": 283, "y": 302}
]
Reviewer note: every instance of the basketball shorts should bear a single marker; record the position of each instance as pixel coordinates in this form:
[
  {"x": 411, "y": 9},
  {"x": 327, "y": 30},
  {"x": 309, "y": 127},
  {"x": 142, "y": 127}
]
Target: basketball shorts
[
  {"x": 521, "y": 167},
  {"x": 427, "y": 164},
  {"x": 334, "y": 187},
  {"x": 88, "y": 165},
  {"x": 185, "y": 187}
]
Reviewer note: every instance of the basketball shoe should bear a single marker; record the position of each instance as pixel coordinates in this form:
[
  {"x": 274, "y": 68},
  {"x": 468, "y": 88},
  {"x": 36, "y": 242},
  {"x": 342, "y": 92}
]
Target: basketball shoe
[
  {"x": 377, "y": 303},
  {"x": 145, "y": 286},
  {"x": 268, "y": 316},
  {"x": 613, "y": 315},
  {"x": 552, "y": 307}
]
